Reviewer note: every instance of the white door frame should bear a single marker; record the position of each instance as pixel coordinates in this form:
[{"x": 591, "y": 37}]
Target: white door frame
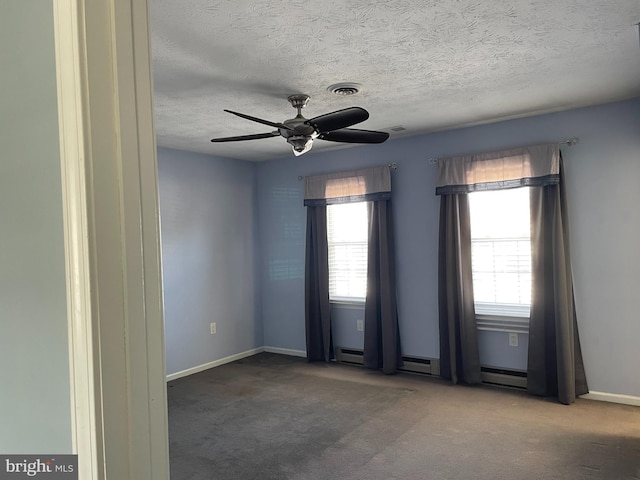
[{"x": 112, "y": 239}]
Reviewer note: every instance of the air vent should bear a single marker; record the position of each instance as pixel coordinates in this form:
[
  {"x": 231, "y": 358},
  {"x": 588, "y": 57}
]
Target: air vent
[
  {"x": 345, "y": 88},
  {"x": 397, "y": 128}
]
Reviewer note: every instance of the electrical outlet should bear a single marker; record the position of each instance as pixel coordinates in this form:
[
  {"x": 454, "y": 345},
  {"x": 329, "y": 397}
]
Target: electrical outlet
[
  {"x": 212, "y": 326},
  {"x": 513, "y": 339},
  {"x": 360, "y": 325}
]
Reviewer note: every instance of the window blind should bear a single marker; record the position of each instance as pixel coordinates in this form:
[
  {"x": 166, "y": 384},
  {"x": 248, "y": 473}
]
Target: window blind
[
  {"x": 347, "y": 232},
  {"x": 501, "y": 252}
]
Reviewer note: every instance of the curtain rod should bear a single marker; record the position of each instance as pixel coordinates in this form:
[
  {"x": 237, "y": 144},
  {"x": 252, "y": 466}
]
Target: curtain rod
[
  {"x": 392, "y": 166},
  {"x": 569, "y": 142}
]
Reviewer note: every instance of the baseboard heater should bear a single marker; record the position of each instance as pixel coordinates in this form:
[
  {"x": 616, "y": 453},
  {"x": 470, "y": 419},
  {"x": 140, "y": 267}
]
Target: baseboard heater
[
  {"x": 411, "y": 364},
  {"x": 504, "y": 377},
  {"x": 431, "y": 366}
]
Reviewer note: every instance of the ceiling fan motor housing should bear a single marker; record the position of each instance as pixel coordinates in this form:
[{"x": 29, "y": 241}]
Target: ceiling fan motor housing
[{"x": 301, "y": 135}]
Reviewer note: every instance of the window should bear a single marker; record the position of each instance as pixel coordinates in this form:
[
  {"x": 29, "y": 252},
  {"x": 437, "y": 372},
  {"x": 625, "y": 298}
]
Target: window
[
  {"x": 501, "y": 252},
  {"x": 347, "y": 232}
]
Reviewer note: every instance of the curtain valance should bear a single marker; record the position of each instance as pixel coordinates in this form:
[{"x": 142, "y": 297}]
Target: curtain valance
[
  {"x": 367, "y": 184},
  {"x": 536, "y": 165}
]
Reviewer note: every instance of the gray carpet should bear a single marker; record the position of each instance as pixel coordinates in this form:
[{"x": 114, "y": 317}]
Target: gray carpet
[{"x": 276, "y": 417}]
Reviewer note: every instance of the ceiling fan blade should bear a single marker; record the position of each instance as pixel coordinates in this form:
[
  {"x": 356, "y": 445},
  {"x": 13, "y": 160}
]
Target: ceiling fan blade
[
  {"x": 352, "y": 135},
  {"x": 338, "y": 119},
  {"x": 247, "y": 137},
  {"x": 260, "y": 120}
]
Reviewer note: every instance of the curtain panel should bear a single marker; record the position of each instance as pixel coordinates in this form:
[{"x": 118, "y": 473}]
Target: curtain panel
[
  {"x": 381, "y": 335},
  {"x": 316, "y": 287},
  {"x": 459, "y": 355},
  {"x": 382, "y": 341},
  {"x": 555, "y": 367}
]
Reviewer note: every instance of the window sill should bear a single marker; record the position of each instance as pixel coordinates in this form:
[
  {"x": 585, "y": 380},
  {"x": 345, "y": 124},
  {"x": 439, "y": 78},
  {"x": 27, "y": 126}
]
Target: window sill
[
  {"x": 352, "y": 303},
  {"x": 499, "y": 323}
]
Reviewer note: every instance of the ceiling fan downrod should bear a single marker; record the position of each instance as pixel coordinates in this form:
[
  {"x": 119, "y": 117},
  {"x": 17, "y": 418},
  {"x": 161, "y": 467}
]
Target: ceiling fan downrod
[{"x": 299, "y": 101}]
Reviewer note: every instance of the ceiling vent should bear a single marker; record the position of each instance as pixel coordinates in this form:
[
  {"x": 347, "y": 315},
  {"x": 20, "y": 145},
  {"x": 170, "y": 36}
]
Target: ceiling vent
[{"x": 345, "y": 88}]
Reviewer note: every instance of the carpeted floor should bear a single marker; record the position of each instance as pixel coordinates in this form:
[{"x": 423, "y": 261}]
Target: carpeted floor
[{"x": 277, "y": 417}]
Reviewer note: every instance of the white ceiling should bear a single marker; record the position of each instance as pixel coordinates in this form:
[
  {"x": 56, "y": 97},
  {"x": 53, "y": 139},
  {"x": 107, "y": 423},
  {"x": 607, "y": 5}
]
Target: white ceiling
[{"x": 425, "y": 65}]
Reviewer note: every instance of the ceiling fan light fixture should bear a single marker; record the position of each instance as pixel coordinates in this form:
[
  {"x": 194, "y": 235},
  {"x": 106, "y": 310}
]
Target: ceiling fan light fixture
[
  {"x": 345, "y": 88},
  {"x": 300, "y": 144}
]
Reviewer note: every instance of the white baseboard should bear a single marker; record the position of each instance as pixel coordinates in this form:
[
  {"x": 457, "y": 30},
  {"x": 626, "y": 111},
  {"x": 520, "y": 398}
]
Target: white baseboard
[
  {"x": 613, "y": 398},
  {"x": 215, "y": 363},
  {"x": 286, "y": 351}
]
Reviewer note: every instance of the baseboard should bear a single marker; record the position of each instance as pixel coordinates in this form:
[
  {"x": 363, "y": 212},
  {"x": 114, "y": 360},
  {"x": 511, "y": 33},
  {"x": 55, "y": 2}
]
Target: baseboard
[
  {"x": 215, "y": 363},
  {"x": 286, "y": 351},
  {"x": 613, "y": 398}
]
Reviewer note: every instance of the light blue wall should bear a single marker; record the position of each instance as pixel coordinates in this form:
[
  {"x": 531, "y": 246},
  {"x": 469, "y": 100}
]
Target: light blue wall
[
  {"x": 282, "y": 224},
  {"x": 208, "y": 224},
  {"x": 603, "y": 183},
  {"x": 35, "y": 409}
]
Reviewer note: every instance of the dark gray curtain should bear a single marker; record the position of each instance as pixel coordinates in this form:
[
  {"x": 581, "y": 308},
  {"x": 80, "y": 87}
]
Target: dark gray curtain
[
  {"x": 381, "y": 338},
  {"x": 459, "y": 357},
  {"x": 317, "y": 308},
  {"x": 555, "y": 365}
]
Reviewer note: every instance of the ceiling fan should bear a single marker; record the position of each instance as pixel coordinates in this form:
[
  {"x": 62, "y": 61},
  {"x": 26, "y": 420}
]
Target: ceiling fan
[{"x": 301, "y": 132}]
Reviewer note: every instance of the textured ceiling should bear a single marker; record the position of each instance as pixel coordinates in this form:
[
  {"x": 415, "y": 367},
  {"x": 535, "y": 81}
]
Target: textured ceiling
[{"x": 425, "y": 65}]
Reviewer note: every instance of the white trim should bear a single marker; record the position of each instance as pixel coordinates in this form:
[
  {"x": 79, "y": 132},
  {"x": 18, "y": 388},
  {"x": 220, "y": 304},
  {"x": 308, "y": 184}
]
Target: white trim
[
  {"x": 496, "y": 323},
  {"x": 347, "y": 304},
  {"x": 112, "y": 241},
  {"x": 612, "y": 398},
  {"x": 286, "y": 351},
  {"x": 215, "y": 363},
  {"x": 87, "y": 435}
]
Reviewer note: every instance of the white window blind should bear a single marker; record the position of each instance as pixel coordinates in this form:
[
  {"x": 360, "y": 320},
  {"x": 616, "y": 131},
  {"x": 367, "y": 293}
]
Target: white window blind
[
  {"x": 501, "y": 252},
  {"x": 347, "y": 232}
]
